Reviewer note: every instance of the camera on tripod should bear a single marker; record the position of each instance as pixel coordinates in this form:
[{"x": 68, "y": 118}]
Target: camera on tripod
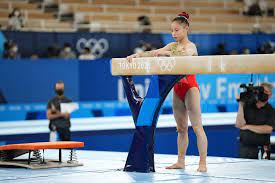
[{"x": 252, "y": 94}]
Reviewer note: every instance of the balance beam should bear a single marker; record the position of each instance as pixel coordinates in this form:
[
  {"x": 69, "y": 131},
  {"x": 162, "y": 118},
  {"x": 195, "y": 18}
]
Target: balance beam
[
  {"x": 9, "y": 154},
  {"x": 222, "y": 64},
  {"x": 166, "y": 72}
]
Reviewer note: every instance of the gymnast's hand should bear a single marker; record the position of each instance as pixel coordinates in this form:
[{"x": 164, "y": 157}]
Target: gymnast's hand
[
  {"x": 130, "y": 57},
  {"x": 157, "y": 53}
]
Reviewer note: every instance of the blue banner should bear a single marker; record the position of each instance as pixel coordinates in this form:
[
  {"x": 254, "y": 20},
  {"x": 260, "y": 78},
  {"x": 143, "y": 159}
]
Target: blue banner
[{"x": 32, "y": 81}]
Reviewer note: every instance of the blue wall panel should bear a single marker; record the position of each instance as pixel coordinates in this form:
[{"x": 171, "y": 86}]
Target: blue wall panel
[
  {"x": 28, "y": 81},
  {"x": 96, "y": 81}
]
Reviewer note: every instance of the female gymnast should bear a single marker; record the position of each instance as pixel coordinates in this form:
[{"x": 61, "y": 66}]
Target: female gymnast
[{"x": 186, "y": 95}]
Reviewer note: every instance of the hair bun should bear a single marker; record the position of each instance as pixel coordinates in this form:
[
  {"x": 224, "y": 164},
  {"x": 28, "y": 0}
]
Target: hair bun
[{"x": 184, "y": 14}]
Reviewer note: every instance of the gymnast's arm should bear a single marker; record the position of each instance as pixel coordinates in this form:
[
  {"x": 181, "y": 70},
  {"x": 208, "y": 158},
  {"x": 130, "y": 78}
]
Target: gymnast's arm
[
  {"x": 191, "y": 50},
  {"x": 165, "y": 51}
]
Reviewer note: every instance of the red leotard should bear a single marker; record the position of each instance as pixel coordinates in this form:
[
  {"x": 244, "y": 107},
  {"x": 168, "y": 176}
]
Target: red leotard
[{"x": 184, "y": 85}]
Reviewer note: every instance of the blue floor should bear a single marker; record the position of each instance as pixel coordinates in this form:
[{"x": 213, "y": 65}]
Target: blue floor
[{"x": 102, "y": 166}]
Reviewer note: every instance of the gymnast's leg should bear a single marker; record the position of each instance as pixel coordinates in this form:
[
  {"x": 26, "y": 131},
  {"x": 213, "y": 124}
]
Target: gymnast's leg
[
  {"x": 192, "y": 103},
  {"x": 181, "y": 117}
]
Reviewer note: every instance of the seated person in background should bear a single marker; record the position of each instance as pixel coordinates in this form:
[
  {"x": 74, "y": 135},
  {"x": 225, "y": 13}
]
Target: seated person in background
[
  {"x": 87, "y": 54},
  {"x": 34, "y": 56},
  {"x": 266, "y": 48},
  {"x": 256, "y": 121},
  {"x": 263, "y": 6},
  {"x": 11, "y": 50},
  {"x": 245, "y": 51},
  {"x": 53, "y": 51},
  {"x": 143, "y": 46},
  {"x": 67, "y": 52},
  {"x": 254, "y": 9},
  {"x": 144, "y": 24},
  {"x": 221, "y": 49},
  {"x": 16, "y": 20}
]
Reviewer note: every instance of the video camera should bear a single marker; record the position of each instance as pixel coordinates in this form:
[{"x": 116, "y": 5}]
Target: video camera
[{"x": 252, "y": 94}]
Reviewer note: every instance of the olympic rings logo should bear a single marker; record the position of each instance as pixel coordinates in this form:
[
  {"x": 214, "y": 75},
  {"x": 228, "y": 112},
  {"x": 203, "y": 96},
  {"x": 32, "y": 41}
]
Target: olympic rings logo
[
  {"x": 166, "y": 63},
  {"x": 98, "y": 47}
]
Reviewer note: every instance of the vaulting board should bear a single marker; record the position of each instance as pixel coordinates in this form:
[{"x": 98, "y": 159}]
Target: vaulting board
[{"x": 9, "y": 155}]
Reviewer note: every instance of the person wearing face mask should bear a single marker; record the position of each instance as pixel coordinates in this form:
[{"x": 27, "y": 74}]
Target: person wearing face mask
[
  {"x": 11, "y": 50},
  {"x": 256, "y": 122},
  {"x": 59, "y": 122},
  {"x": 67, "y": 52},
  {"x": 16, "y": 20},
  {"x": 87, "y": 54}
]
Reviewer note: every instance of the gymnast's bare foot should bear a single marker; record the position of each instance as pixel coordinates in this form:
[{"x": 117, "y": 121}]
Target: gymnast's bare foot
[
  {"x": 178, "y": 165},
  {"x": 202, "y": 168}
]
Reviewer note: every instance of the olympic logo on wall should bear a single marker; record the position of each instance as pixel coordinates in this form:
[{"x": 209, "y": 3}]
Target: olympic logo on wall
[
  {"x": 98, "y": 47},
  {"x": 166, "y": 63}
]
